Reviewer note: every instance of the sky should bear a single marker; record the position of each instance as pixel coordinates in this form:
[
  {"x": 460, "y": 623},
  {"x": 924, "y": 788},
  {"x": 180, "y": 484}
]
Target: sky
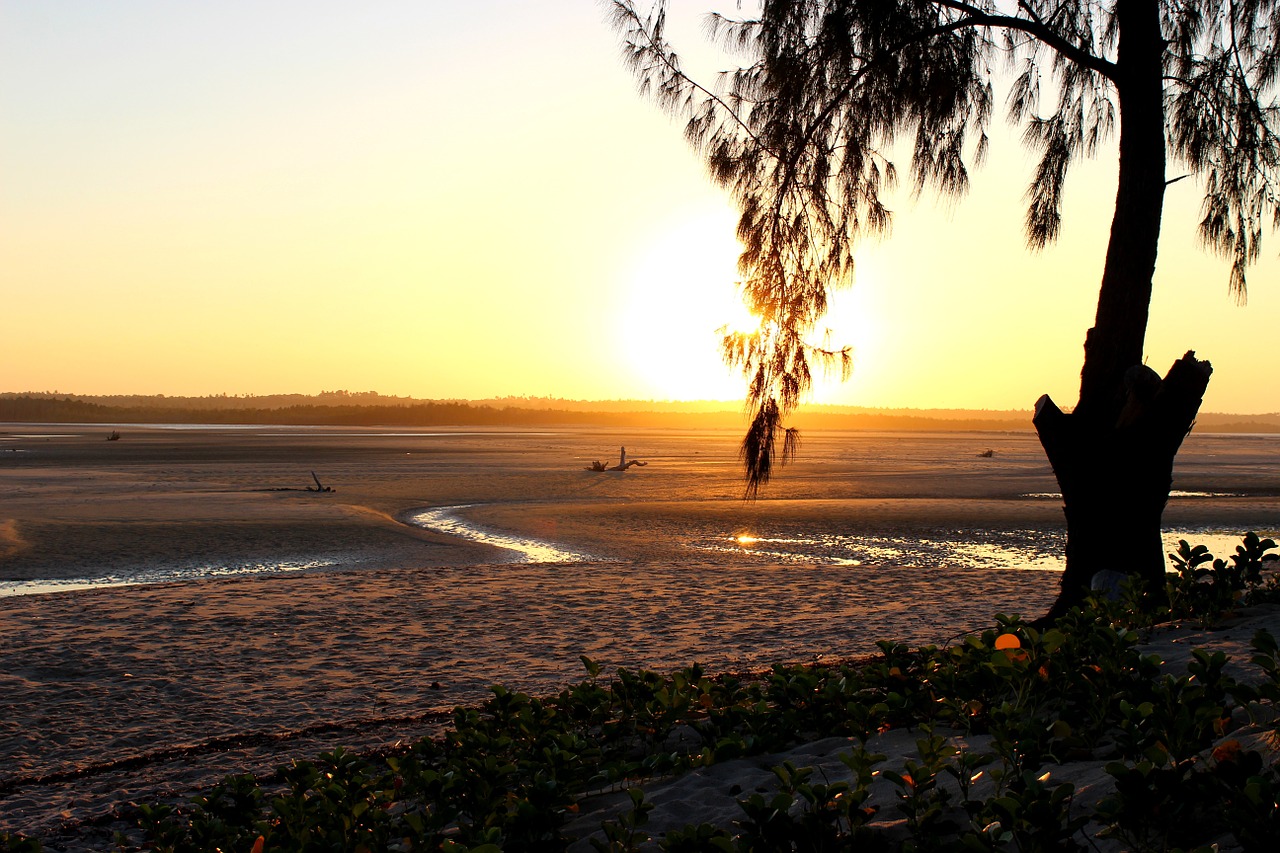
[{"x": 470, "y": 200}]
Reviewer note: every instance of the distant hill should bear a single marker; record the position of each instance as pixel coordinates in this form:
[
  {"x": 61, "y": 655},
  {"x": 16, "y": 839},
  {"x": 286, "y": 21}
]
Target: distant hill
[{"x": 345, "y": 408}]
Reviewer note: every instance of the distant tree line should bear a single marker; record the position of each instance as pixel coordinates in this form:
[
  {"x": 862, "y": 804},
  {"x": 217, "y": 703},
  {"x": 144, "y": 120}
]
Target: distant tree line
[
  {"x": 43, "y": 409},
  {"x": 326, "y": 411},
  {"x": 225, "y": 401}
]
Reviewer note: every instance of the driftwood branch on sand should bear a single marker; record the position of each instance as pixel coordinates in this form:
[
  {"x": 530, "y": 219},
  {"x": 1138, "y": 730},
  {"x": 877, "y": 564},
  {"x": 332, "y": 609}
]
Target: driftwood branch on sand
[
  {"x": 623, "y": 464},
  {"x": 600, "y": 466},
  {"x": 320, "y": 487}
]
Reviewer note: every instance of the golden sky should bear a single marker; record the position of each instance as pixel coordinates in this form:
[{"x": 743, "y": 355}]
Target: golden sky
[{"x": 468, "y": 200}]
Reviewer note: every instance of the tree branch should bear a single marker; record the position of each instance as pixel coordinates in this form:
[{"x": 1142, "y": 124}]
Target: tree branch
[
  {"x": 1038, "y": 30},
  {"x": 626, "y": 10}
]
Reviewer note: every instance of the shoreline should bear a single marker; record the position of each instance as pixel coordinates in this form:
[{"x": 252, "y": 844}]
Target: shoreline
[
  {"x": 1023, "y": 533},
  {"x": 1004, "y": 548}
]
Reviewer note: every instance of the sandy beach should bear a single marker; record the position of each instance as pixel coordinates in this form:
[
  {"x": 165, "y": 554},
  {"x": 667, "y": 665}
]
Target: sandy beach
[{"x": 295, "y": 621}]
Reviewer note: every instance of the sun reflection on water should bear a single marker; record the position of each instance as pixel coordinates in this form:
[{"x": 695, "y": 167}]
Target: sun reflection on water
[{"x": 1018, "y": 549}]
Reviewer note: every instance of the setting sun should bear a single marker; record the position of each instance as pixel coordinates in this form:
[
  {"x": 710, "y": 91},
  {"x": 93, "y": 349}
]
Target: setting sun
[{"x": 681, "y": 295}]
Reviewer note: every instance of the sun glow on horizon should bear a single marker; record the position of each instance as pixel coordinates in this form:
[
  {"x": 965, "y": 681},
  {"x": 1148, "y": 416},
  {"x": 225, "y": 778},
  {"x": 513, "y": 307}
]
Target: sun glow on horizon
[
  {"x": 683, "y": 294},
  {"x": 681, "y": 298}
]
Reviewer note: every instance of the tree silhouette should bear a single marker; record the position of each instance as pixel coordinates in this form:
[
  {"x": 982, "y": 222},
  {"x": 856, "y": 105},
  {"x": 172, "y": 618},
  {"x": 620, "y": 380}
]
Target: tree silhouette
[{"x": 803, "y": 134}]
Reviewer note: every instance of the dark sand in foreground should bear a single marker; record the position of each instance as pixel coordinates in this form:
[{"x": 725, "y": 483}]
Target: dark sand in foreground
[{"x": 124, "y": 694}]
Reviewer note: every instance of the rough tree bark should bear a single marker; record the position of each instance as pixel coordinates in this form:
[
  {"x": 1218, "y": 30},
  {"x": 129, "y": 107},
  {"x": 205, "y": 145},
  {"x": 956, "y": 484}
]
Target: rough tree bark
[{"x": 1113, "y": 454}]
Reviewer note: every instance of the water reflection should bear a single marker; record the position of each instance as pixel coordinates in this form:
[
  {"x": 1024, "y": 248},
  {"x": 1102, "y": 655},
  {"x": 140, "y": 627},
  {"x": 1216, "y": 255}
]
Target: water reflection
[
  {"x": 1023, "y": 550},
  {"x": 169, "y": 574},
  {"x": 445, "y": 519},
  {"x": 1176, "y": 493}
]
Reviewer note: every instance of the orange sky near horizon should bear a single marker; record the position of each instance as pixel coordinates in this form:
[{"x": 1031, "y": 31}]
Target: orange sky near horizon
[{"x": 471, "y": 201}]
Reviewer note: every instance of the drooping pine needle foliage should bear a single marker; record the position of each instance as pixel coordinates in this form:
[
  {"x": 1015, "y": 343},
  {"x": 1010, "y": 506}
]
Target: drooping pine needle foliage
[{"x": 803, "y": 135}]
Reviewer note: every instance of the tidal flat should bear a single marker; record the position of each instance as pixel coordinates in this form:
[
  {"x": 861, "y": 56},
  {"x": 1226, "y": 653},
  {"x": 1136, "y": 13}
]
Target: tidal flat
[{"x": 182, "y": 603}]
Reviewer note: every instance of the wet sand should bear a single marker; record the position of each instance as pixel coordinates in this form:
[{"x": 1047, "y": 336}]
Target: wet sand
[{"x": 123, "y": 694}]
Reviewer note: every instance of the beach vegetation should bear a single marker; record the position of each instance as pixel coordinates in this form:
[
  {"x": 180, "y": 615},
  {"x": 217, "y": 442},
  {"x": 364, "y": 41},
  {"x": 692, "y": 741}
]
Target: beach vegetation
[
  {"x": 991, "y": 725},
  {"x": 806, "y": 135},
  {"x": 14, "y": 843},
  {"x": 1205, "y": 587}
]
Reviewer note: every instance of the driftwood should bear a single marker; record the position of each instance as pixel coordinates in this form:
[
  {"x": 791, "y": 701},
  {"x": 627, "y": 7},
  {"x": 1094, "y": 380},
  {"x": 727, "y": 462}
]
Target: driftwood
[
  {"x": 320, "y": 487},
  {"x": 599, "y": 466},
  {"x": 317, "y": 488},
  {"x": 623, "y": 463}
]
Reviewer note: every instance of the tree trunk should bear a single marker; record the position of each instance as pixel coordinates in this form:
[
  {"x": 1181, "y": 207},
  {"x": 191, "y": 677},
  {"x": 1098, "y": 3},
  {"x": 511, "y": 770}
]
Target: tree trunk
[
  {"x": 1113, "y": 455},
  {"x": 1115, "y": 478}
]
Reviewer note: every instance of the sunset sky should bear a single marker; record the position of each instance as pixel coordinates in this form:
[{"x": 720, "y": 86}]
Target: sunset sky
[{"x": 468, "y": 200}]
